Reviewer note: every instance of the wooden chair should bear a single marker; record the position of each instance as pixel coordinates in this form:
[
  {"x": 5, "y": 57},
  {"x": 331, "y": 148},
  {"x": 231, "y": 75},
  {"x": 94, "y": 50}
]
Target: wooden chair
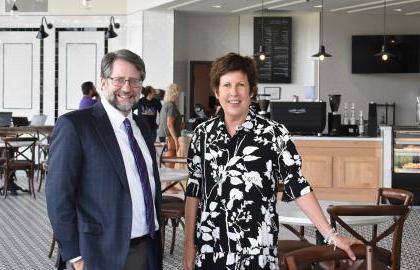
[
  {"x": 375, "y": 256},
  {"x": 43, "y": 170},
  {"x": 286, "y": 246},
  {"x": 301, "y": 258},
  {"x": 21, "y": 156},
  {"x": 172, "y": 211},
  {"x": 172, "y": 207}
]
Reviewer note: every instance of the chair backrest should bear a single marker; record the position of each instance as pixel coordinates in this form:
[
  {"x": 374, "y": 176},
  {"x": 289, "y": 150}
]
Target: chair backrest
[
  {"x": 39, "y": 120},
  {"x": 394, "y": 196},
  {"x": 305, "y": 256},
  {"x": 20, "y": 149},
  {"x": 5, "y": 119},
  {"x": 399, "y": 212}
]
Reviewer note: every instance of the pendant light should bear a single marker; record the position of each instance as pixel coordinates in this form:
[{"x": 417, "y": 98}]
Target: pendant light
[
  {"x": 384, "y": 54},
  {"x": 321, "y": 54},
  {"x": 261, "y": 49}
]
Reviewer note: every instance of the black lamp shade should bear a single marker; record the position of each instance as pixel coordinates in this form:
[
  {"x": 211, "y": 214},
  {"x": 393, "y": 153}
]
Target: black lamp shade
[
  {"x": 322, "y": 52},
  {"x": 383, "y": 51},
  {"x": 110, "y": 33},
  {"x": 41, "y": 33},
  {"x": 14, "y": 7}
]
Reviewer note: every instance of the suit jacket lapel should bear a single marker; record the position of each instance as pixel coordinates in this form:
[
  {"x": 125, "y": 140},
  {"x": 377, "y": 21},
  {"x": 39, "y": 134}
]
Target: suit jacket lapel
[{"x": 109, "y": 140}]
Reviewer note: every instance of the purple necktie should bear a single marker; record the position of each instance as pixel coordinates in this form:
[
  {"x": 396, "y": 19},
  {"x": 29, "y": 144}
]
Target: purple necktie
[{"x": 144, "y": 178}]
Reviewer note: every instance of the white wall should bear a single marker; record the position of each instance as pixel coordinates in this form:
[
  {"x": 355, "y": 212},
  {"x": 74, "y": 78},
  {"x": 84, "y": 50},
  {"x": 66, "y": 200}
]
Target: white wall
[
  {"x": 181, "y": 62},
  {"x": 158, "y": 47},
  {"x": 335, "y": 72},
  {"x": 135, "y": 32}
]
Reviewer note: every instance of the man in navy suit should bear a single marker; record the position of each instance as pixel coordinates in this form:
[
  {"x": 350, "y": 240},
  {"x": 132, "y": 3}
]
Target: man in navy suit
[{"x": 103, "y": 187}]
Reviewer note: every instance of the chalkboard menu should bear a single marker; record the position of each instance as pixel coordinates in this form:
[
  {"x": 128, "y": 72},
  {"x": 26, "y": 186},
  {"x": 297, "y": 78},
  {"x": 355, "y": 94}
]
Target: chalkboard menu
[{"x": 277, "y": 33}]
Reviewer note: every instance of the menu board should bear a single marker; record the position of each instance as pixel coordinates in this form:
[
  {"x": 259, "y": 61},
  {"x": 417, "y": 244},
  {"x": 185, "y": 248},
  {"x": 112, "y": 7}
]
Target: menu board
[{"x": 277, "y": 40}]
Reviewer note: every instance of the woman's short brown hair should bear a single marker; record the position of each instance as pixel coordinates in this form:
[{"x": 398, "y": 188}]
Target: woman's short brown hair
[{"x": 234, "y": 62}]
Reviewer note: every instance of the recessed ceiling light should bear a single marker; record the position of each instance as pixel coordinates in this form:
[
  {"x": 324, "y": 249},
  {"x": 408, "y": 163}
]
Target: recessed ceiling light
[
  {"x": 318, "y": 6},
  {"x": 398, "y": 9},
  {"x": 216, "y": 6}
]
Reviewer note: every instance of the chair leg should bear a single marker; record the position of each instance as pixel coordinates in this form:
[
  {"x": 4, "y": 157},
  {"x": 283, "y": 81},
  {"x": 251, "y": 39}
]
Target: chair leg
[
  {"x": 174, "y": 225},
  {"x": 51, "y": 247},
  {"x": 163, "y": 236},
  {"x": 32, "y": 184},
  {"x": 6, "y": 182},
  {"x": 41, "y": 177}
]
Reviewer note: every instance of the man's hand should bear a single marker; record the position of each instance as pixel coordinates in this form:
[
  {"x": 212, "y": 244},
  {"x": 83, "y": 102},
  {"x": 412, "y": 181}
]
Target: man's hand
[
  {"x": 78, "y": 265},
  {"x": 189, "y": 257}
]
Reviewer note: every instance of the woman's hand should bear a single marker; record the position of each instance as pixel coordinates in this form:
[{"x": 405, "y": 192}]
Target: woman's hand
[
  {"x": 78, "y": 265},
  {"x": 345, "y": 244},
  {"x": 189, "y": 257}
]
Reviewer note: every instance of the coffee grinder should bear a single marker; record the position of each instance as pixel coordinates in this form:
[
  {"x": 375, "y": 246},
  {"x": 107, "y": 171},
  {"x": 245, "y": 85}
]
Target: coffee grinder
[
  {"x": 334, "y": 118},
  {"x": 263, "y": 103}
]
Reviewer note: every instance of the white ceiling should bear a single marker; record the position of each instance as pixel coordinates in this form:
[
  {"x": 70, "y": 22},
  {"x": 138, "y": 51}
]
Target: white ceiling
[{"x": 408, "y": 7}]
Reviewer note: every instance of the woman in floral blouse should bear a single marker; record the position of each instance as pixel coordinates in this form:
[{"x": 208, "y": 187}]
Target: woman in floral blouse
[{"x": 235, "y": 162}]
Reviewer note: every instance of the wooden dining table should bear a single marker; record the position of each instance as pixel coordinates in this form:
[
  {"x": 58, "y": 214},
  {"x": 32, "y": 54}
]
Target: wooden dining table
[
  {"x": 172, "y": 176},
  {"x": 289, "y": 213}
]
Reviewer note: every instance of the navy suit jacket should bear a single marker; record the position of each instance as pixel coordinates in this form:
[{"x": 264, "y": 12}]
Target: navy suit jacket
[{"x": 88, "y": 197}]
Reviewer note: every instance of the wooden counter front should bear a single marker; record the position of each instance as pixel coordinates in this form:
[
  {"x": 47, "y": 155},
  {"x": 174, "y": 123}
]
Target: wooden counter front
[{"x": 348, "y": 170}]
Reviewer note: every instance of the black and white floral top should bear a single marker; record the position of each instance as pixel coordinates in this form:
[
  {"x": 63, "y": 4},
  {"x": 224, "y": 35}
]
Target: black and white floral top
[{"x": 235, "y": 180}]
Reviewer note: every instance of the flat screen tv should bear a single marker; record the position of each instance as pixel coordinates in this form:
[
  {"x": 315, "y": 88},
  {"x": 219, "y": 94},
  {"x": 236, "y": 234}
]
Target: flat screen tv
[{"x": 405, "y": 50}]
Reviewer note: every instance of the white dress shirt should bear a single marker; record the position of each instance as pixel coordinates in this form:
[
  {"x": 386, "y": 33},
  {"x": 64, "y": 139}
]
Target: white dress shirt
[{"x": 139, "y": 225}]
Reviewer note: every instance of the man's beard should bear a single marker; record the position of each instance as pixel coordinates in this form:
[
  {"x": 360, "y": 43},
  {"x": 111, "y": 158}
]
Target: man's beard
[{"x": 126, "y": 107}]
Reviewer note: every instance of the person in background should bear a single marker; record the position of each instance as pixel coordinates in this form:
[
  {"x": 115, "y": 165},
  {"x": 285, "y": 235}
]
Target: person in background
[
  {"x": 235, "y": 161},
  {"x": 170, "y": 119},
  {"x": 103, "y": 188},
  {"x": 148, "y": 106},
  {"x": 90, "y": 96}
]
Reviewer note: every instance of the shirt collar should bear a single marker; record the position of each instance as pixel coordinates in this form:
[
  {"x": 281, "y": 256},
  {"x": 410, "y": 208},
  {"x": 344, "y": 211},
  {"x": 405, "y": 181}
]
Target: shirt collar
[
  {"x": 115, "y": 116},
  {"x": 248, "y": 125}
]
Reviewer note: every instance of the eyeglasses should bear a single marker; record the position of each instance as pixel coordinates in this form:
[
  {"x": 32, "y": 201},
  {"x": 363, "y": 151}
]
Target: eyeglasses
[{"x": 119, "y": 82}]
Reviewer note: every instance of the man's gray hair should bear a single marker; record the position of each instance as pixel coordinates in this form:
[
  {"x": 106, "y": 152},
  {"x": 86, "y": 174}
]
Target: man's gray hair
[{"x": 126, "y": 55}]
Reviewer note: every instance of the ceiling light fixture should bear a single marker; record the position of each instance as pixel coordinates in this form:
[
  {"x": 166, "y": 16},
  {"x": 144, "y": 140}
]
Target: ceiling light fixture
[
  {"x": 256, "y": 6},
  {"x": 261, "y": 50},
  {"x": 359, "y": 5},
  {"x": 288, "y": 4},
  {"x": 87, "y": 4},
  {"x": 412, "y": 13},
  {"x": 380, "y": 6},
  {"x": 321, "y": 54},
  {"x": 384, "y": 54},
  {"x": 41, "y": 32},
  {"x": 110, "y": 33},
  {"x": 184, "y": 4}
]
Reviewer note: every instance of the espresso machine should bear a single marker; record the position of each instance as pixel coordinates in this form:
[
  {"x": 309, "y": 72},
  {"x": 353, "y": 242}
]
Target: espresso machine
[{"x": 334, "y": 118}]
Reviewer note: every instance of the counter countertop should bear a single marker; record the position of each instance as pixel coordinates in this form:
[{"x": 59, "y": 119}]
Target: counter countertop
[{"x": 334, "y": 138}]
